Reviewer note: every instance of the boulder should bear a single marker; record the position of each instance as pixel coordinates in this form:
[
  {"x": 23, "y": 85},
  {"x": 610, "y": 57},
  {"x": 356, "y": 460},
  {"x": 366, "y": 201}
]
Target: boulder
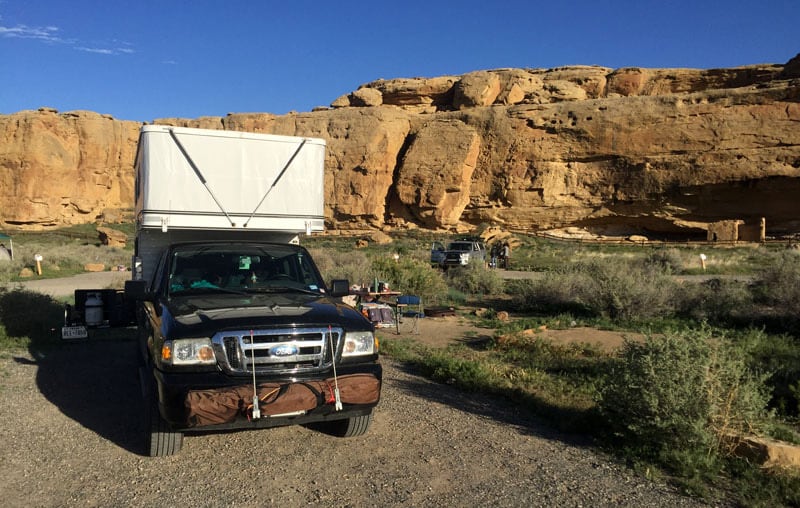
[
  {"x": 366, "y": 97},
  {"x": 112, "y": 238},
  {"x": 476, "y": 89}
]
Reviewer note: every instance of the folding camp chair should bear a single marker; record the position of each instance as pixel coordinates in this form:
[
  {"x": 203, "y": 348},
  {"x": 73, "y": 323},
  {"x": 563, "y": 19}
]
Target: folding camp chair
[{"x": 409, "y": 306}]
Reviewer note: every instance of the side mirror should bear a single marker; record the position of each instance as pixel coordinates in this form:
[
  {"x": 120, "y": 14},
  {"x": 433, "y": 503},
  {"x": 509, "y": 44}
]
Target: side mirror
[
  {"x": 136, "y": 290},
  {"x": 340, "y": 287}
]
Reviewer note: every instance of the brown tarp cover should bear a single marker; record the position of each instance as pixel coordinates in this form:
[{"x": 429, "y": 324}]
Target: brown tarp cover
[{"x": 223, "y": 405}]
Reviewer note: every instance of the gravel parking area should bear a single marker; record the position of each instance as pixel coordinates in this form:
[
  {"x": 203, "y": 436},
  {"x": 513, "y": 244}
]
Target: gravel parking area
[
  {"x": 71, "y": 433},
  {"x": 66, "y": 286}
]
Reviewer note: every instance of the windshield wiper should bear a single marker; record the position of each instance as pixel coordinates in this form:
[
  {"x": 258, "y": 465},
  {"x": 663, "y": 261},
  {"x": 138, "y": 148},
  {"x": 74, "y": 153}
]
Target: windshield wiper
[
  {"x": 207, "y": 289},
  {"x": 284, "y": 289}
]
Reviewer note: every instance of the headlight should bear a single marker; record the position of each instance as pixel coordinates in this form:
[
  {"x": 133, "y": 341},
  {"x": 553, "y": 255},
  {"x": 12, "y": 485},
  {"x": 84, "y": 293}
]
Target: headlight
[
  {"x": 465, "y": 258},
  {"x": 188, "y": 352},
  {"x": 358, "y": 343}
]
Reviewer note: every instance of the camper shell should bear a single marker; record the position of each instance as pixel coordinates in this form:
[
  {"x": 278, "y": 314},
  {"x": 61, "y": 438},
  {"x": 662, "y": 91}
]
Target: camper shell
[
  {"x": 238, "y": 185},
  {"x": 237, "y": 328}
]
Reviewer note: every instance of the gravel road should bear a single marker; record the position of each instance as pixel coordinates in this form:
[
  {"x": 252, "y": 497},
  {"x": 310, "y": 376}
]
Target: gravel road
[
  {"x": 71, "y": 436},
  {"x": 66, "y": 286}
]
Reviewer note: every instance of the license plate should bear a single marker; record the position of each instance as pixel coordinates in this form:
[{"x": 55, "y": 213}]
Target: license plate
[{"x": 74, "y": 332}]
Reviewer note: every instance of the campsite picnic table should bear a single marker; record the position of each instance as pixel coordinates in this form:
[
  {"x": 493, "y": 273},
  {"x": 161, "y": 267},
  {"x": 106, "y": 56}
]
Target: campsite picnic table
[
  {"x": 374, "y": 295},
  {"x": 375, "y": 307}
]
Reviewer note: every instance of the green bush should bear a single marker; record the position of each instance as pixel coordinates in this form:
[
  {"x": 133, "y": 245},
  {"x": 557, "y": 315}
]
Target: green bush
[
  {"x": 353, "y": 265},
  {"x": 778, "y": 285},
  {"x": 626, "y": 290},
  {"x": 716, "y": 301},
  {"x": 682, "y": 395},
  {"x": 475, "y": 279},
  {"x": 616, "y": 288},
  {"x": 408, "y": 274},
  {"x": 412, "y": 276},
  {"x": 780, "y": 356},
  {"x": 556, "y": 292},
  {"x": 665, "y": 259}
]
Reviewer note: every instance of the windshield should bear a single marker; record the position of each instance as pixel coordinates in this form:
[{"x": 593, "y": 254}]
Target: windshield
[
  {"x": 460, "y": 246},
  {"x": 196, "y": 269}
]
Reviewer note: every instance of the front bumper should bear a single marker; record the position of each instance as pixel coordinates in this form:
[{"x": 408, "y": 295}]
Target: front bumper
[{"x": 211, "y": 401}]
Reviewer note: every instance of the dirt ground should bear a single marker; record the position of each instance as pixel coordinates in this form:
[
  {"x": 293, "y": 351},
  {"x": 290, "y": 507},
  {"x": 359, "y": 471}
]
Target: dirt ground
[
  {"x": 74, "y": 436},
  {"x": 447, "y": 330}
]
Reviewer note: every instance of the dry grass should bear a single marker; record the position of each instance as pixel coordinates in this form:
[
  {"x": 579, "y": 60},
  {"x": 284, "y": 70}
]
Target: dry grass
[{"x": 64, "y": 253}]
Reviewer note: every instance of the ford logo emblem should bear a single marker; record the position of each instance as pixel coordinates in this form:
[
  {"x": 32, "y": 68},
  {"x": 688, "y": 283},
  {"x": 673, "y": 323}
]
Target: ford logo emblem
[{"x": 283, "y": 350}]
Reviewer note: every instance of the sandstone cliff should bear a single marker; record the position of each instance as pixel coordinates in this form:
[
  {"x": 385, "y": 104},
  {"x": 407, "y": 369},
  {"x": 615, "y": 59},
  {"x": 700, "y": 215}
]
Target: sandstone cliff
[{"x": 633, "y": 150}]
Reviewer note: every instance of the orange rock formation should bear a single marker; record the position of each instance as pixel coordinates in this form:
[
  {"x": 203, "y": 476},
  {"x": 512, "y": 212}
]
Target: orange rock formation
[{"x": 634, "y": 150}]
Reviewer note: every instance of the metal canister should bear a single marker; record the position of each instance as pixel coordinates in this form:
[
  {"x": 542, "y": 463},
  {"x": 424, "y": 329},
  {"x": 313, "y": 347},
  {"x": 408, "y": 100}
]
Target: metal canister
[{"x": 94, "y": 309}]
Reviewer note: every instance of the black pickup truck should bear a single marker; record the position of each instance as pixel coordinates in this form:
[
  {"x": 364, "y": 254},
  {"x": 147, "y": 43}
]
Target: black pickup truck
[{"x": 247, "y": 335}]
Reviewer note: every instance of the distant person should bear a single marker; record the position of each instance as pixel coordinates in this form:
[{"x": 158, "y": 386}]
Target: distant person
[
  {"x": 495, "y": 254},
  {"x": 506, "y": 255}
]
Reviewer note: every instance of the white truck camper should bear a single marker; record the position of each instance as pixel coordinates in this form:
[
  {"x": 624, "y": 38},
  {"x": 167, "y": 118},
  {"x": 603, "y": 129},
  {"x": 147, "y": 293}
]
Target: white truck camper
[
  {"x": 200, "y": 184},
  {"x": 237, "y": 328}
]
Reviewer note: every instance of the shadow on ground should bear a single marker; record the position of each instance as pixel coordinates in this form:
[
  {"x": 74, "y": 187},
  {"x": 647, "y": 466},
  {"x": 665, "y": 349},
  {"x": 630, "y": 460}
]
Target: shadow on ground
[
  {"x": 96, "y": 384},
  {"x": 497, "y": 407},
  {"x": 93, "y": 381}
]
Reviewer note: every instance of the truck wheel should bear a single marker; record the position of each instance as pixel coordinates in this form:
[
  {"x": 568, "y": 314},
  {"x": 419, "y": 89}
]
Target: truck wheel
[
  {"x": 161, "y": 439},
  {"x": 350, "y": 427}
]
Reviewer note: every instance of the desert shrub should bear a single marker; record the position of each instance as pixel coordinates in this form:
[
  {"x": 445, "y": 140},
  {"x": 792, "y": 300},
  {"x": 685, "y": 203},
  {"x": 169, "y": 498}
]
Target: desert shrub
[
  {"x": 619, "y": 289},
  {"x": 352, "y": 265},
  {"x": 778, "y": 285},
  {"x": 667, "y": 260},
  {"x": 10, "y": 269},
  {"x": 682, "y": 395},
  {"x": 411, "y": 276},
  {"x": 475, "y": 279},
  {"x": 716, "y": 301},
  {"x": 556, "y": 292},
  {"x": 627, "y": 290},
  {"x": 780, "y": 356}
]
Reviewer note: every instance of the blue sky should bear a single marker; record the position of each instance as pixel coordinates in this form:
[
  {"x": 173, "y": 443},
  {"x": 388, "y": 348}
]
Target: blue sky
[{"x": 151, "y": 59}]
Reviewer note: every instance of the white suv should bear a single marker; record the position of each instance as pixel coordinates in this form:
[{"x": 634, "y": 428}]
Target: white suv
[{"x": 458, "y": 253}]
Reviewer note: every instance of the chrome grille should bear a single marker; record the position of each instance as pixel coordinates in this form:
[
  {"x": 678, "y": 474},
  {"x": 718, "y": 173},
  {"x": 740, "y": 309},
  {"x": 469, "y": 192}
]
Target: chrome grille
[{"x": 285, "y": 350}]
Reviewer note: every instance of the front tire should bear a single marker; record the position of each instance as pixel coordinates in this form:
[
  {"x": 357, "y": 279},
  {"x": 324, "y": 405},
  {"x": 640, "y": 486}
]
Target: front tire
[
  {"x": 349, "y": 427},
  {"x": 162, "y": 441}
]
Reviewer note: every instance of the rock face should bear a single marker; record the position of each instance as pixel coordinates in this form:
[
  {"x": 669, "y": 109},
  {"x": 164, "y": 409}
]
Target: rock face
[
  {"x": 58, "y": 169},
  {"x": 661, "y": 151}
]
